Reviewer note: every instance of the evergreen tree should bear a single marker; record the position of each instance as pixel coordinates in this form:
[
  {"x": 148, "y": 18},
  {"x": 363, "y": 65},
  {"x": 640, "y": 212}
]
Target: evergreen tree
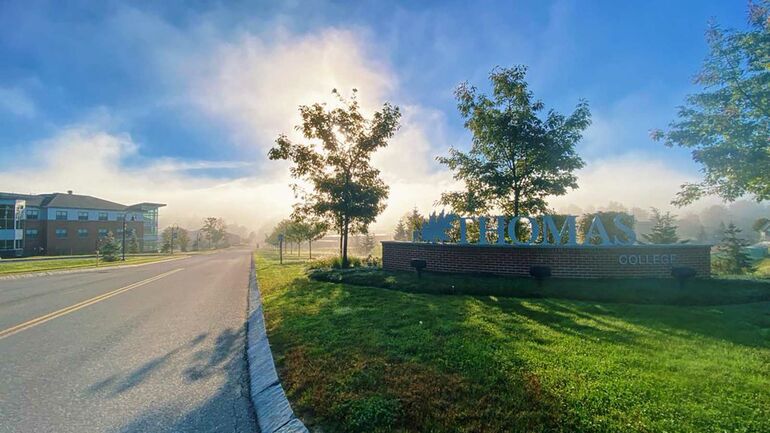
[
  {"x": 414, "y": 222},
  {"x": 366, "y": 244},
  {"x": 400, "y": 232},
  {"x": 663, "y": 228},
  {"x": 110, "y": 248},
  {"x": 133, "y": 244},
  {"x": 732, "y": 259}
]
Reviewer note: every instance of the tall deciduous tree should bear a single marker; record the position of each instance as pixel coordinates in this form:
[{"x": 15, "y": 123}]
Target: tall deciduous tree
[
  {"x": 727, "y": 126},
  {"x": 663, "y": 228},
  {"x": 518, "y": 156},
  {"x": 182, "y": 239},
  {"x": 316, "y": 230},
  {"x": 214, "y": 230},
  {"x": 347, "y": 190}
]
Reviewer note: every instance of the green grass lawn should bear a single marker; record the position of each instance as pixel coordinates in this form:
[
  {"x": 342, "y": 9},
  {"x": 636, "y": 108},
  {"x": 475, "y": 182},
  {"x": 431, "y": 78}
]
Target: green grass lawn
[
  {"x": 354, "y": 358},
  {"x": 74, "y": 263}
]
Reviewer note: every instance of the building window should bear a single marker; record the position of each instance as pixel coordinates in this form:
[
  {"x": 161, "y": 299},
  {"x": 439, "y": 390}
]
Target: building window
[
  {"x": 82, "y": 233},
  {"x": 6, "y": 245},
  {"x": 61, "y": 214},
  {"x": 121, "y": 216},
  {"x": 33, "y": 214},
  {"x": 61, "y": 233},
  {"x": 102, "y": 233},
  {"x": 31, "y": 233},
  {"x": 102, "y": 216},
  {"x": 7, "y": 217},
  {"x": 83, "y": 216},
  {"x": 19, "y": 244}
]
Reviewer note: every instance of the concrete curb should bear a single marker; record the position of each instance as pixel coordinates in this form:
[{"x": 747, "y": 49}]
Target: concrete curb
[
  {"x": 274, "y": 414},
  {"x": 84, "y": 269}
]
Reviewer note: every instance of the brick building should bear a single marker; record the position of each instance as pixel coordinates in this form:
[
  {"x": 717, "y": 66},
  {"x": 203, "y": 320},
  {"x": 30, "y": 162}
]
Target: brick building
[{"x": 67, "y": 223}]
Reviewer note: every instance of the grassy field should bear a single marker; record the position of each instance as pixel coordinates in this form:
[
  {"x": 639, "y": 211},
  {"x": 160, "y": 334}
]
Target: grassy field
[
  {"x": 361, "y": 359},
  {"x": 74, "y": 263}
]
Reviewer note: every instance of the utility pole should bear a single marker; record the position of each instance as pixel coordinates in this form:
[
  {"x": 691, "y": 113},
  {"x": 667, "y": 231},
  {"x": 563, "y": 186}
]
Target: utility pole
[
  {"x": 124, "y": 235},
  {"x": 123, "y": 245}
]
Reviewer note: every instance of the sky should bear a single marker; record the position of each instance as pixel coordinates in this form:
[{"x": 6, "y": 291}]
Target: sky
[{"x": 178, "y": 102}]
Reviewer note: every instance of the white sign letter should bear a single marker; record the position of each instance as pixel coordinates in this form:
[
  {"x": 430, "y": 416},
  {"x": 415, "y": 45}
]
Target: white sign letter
[
  {"x": 549, "y": 228},
  {"x": 598, "y": 227},
  {"x": 628, "y": 231}
]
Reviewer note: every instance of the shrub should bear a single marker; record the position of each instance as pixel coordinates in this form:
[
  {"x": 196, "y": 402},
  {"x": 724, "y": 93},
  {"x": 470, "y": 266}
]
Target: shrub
[{"x": 334, "y": 262}]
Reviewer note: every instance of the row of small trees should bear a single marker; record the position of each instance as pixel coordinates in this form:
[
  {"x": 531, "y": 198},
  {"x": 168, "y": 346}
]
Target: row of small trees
[
  {"x": 293, "y": 231},
  {"x": 213, "y": 231}
]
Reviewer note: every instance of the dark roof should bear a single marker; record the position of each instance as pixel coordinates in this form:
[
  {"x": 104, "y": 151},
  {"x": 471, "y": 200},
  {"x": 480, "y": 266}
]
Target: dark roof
[
  {"x": 32, "y": 200},
  {"x": 73, "y": 201},
  {"x": 82, "y": 202}
]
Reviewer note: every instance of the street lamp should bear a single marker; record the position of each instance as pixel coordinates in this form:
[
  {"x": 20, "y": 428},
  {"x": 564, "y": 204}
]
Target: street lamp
[
  {"x": 133, "y": 218},
  {"x": 174, "y": 231}
]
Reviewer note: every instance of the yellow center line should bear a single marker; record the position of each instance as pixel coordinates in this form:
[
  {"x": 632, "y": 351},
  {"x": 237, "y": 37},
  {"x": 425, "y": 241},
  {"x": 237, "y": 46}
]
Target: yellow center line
[{"x": 66, "y": 310}]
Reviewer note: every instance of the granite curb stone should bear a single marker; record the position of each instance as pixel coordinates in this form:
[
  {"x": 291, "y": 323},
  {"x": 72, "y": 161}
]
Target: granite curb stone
[{"x": 274, "y": 413}]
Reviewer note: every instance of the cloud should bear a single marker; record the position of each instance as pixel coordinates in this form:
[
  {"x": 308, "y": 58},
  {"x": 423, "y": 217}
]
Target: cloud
[
  {"x": 634, "y": 180},
  {"x": 255, "y": 84},
  {"x": 16, "y": 101},
  {"x": 91, "y": 162},
  {"x": 252, "y": 85}
]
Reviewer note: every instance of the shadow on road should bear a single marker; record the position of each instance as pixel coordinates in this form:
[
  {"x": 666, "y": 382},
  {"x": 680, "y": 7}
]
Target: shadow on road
[{"x": 222, "y": 365}]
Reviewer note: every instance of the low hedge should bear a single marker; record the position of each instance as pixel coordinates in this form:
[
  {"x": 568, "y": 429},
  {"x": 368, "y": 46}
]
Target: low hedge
[{"x": 715, "y": 291}]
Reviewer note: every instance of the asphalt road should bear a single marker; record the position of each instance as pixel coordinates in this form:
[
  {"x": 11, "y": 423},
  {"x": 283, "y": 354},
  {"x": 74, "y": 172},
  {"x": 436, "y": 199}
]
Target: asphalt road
[{"x": 166, "y": 353}]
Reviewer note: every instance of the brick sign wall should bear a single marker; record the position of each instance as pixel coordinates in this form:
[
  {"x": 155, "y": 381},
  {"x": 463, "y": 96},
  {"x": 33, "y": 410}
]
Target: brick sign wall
[{"x": 568, "y": 262}]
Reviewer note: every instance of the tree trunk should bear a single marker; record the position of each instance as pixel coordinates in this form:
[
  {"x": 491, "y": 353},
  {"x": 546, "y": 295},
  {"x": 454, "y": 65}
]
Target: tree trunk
[
  {"x": 299, "y": 247},
  {"x": 310, "y": 248},
  {"x": 345, "y": 244},
  {"x": 516, "y": 203}
]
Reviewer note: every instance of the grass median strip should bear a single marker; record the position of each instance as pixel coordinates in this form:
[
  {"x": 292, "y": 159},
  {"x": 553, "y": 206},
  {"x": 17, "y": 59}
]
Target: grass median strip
[
  {"x": 12, "y": 268},
  {"x": 72, "y": 308}
]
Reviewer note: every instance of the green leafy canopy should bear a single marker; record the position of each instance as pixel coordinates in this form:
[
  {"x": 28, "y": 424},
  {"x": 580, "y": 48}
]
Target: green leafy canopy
[
  {"x": 727, "y": 126},
  {"x": 347, "y": 190},
  {"x": 518, "y": 156}
]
